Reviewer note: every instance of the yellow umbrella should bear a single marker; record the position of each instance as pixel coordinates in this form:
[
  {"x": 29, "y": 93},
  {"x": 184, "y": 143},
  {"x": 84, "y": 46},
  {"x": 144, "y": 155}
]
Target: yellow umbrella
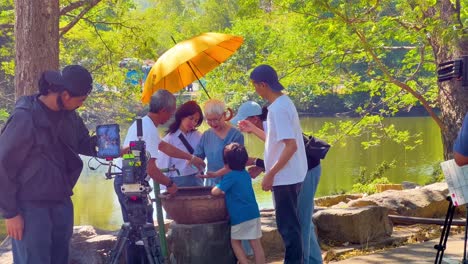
[{"x": 189, "y": 60}]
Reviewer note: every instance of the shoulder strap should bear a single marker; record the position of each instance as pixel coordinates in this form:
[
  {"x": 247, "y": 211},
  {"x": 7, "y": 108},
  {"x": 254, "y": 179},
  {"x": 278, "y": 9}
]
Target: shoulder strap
[{"x": 186, "y": 144}]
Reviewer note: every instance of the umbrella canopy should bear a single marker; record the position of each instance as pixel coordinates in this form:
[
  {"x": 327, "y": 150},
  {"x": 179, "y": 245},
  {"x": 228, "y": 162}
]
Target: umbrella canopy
[{"x": 189, "y": 60}]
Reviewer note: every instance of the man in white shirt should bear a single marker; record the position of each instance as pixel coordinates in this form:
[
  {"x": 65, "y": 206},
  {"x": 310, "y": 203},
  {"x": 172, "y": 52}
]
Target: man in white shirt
[
  {"x": 162, "y": 107},
  {"x": 285, "y": 160}
]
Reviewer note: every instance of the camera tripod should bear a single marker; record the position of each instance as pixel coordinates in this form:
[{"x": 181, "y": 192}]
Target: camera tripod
[
  {"x": 446, "y": 231},
  {"x": 138, "y": 232}
]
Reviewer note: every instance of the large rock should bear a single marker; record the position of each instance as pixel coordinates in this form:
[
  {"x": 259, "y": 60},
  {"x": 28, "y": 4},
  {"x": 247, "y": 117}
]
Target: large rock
[
  {"x": 88, "y": 246},
  {"x": 355, "y": 225},
  {"x": 428, "y": 201},
  {"x": 327, "y": 201}
]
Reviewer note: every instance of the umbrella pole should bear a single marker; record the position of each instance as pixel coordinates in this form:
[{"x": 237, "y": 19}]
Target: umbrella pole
[
  {"x": 161, "y": 226},
  {"x": 204, "y": 89},
  {"x": 193, "y": 71}
]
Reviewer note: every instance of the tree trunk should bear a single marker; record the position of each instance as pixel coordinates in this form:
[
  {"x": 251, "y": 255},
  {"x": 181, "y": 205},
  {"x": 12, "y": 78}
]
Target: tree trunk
[
  {"x": 453, "y": 99},
  {"x": 37, "y": 42}
]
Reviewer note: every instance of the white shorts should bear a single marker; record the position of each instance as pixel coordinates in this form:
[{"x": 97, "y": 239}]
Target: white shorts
[{"x": 248, "y": 230}]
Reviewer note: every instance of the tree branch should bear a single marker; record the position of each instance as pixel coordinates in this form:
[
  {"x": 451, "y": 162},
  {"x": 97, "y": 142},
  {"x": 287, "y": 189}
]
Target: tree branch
[
  {"x": 89, "y": 4},
  {"x": 400, "y": 84},
  {"x": 385, "y": 70},
  {"x": 420, "y": 64},
  {"x": 72, "y": 6},
  {"x": 457, "y": 12},
  {"x": 399, "y": 47},
  {"x": 103, "y": 42},
  {"x": 109, "y": 23}
]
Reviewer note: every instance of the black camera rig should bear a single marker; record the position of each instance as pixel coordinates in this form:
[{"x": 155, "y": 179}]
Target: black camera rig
[
  {"x": 137, "y": 201},
  {"x": 138, "y": 204},
  {"x": 456, "y": 69},
  {"x": 135, "y": 179}
]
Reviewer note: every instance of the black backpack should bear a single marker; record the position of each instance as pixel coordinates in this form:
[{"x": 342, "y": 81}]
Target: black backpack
[{"x": 316, "y": 149}]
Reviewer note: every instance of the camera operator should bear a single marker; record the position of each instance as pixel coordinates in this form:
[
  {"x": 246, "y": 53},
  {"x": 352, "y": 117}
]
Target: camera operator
[
  {"x": 460, "y": 147},
  {"x": 162, "y": 107},
  {"x": 40, "y": 165}
]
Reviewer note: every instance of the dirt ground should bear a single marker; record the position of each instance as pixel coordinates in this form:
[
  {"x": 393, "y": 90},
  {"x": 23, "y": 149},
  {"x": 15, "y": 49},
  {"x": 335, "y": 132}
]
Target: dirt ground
[{"x": 403, "y": 235}]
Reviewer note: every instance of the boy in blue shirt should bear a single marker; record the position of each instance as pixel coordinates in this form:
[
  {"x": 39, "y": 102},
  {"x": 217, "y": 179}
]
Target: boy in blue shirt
[{"x": 241, "y": 204}]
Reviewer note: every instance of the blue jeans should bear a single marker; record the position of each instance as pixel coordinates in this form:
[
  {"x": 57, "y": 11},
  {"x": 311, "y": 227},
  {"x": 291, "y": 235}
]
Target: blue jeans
[
  {"x": 305, "y": 210},
  {"x": 47, "y": 233},
  {"x": 287, "y": 221},
  {"x": 135, "y": 254}
]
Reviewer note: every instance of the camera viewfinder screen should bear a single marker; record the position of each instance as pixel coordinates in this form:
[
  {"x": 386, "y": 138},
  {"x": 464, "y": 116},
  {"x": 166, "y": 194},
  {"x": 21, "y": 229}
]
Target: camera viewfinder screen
[{"x": 108, "y": 141}]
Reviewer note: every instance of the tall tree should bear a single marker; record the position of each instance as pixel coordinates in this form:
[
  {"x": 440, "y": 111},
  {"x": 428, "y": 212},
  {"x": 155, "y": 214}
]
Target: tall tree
[
  {"x": 37, "y": 42},
  {"x": 392, "y": 49},
  {"x": 37, "y": 38},
  {"x": 433, "y": 26},
  {"x": 7, "y": 55}
]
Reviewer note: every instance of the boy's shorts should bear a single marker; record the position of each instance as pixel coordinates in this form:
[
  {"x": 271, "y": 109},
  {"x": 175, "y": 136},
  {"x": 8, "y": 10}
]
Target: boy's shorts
[{"x": 248, "y": 230}]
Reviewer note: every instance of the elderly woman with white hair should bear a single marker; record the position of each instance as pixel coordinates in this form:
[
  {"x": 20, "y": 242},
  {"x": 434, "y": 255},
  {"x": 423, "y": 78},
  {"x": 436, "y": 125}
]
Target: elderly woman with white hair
[{"x": 213, "y": 140}]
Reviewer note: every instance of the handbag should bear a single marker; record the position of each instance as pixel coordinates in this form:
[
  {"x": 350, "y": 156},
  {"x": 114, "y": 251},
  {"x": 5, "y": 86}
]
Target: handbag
[{"x": 315, "y": 149}]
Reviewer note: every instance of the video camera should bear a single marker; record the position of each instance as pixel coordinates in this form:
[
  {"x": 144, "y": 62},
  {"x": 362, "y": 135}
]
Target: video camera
[
  {"x": 133, "y": 168},
  {"x": 135, "y": 179}
]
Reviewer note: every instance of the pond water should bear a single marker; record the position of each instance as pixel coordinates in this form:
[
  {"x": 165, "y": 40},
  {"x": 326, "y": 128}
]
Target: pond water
[{"x": 96, "y": 204}]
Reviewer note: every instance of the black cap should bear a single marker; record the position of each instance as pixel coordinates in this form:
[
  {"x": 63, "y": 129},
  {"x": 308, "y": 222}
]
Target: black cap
[
  {"x": 266, "y": 73},
  {"x": 51, "y": 81},
  {"x": 79, "y": 81},
  {"x": 53, "y": 78}
]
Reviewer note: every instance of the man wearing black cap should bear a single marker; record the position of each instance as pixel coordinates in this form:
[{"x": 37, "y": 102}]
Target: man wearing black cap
[
  {"x": 285, "y": 159},
  {"x": 39, "y": 165}
]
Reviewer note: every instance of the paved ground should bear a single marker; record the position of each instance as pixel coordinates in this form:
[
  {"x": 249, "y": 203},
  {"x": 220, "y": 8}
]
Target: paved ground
[{"x": 414, "y": 253}]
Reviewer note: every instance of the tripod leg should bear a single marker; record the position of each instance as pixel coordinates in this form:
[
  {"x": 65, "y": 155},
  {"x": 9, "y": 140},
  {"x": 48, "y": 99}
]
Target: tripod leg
[
  {"x": 122, "y": 239},
  {"x": 150, "y": 242},
  {"x": 445, "y": 232},
  {"x": 149, "y": 255},
  {"x": 466, "y": 236}
]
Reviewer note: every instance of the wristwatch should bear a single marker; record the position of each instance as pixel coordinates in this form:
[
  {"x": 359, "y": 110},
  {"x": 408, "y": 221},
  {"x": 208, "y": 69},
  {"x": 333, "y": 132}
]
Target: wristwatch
[{"x": 171, "y": 182}]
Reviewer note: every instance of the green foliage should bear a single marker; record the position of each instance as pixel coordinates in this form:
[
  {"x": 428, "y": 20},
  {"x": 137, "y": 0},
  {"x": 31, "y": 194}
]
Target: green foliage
[
  {"x": 373, "y": 130},
  {"x": 369, "y": 188},
  {"x": 365, "y": 177},
  {"x": 366, "y": 182},
  {"x": 333, "y": 56},
  {"x": 436, "y": 175},
  {"x": 3, "y": 116}
]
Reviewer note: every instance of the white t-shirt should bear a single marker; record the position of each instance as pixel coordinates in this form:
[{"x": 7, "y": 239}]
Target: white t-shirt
[
  {"x": 150, "y": 136},
  {"x": 283, "y": 123},
  {"x": 164, "y": 161}
]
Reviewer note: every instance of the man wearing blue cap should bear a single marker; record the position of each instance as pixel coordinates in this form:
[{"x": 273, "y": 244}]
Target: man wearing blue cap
[
  {"x": 285, "y": 160},
  {"x": 40, "y": 165}
]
